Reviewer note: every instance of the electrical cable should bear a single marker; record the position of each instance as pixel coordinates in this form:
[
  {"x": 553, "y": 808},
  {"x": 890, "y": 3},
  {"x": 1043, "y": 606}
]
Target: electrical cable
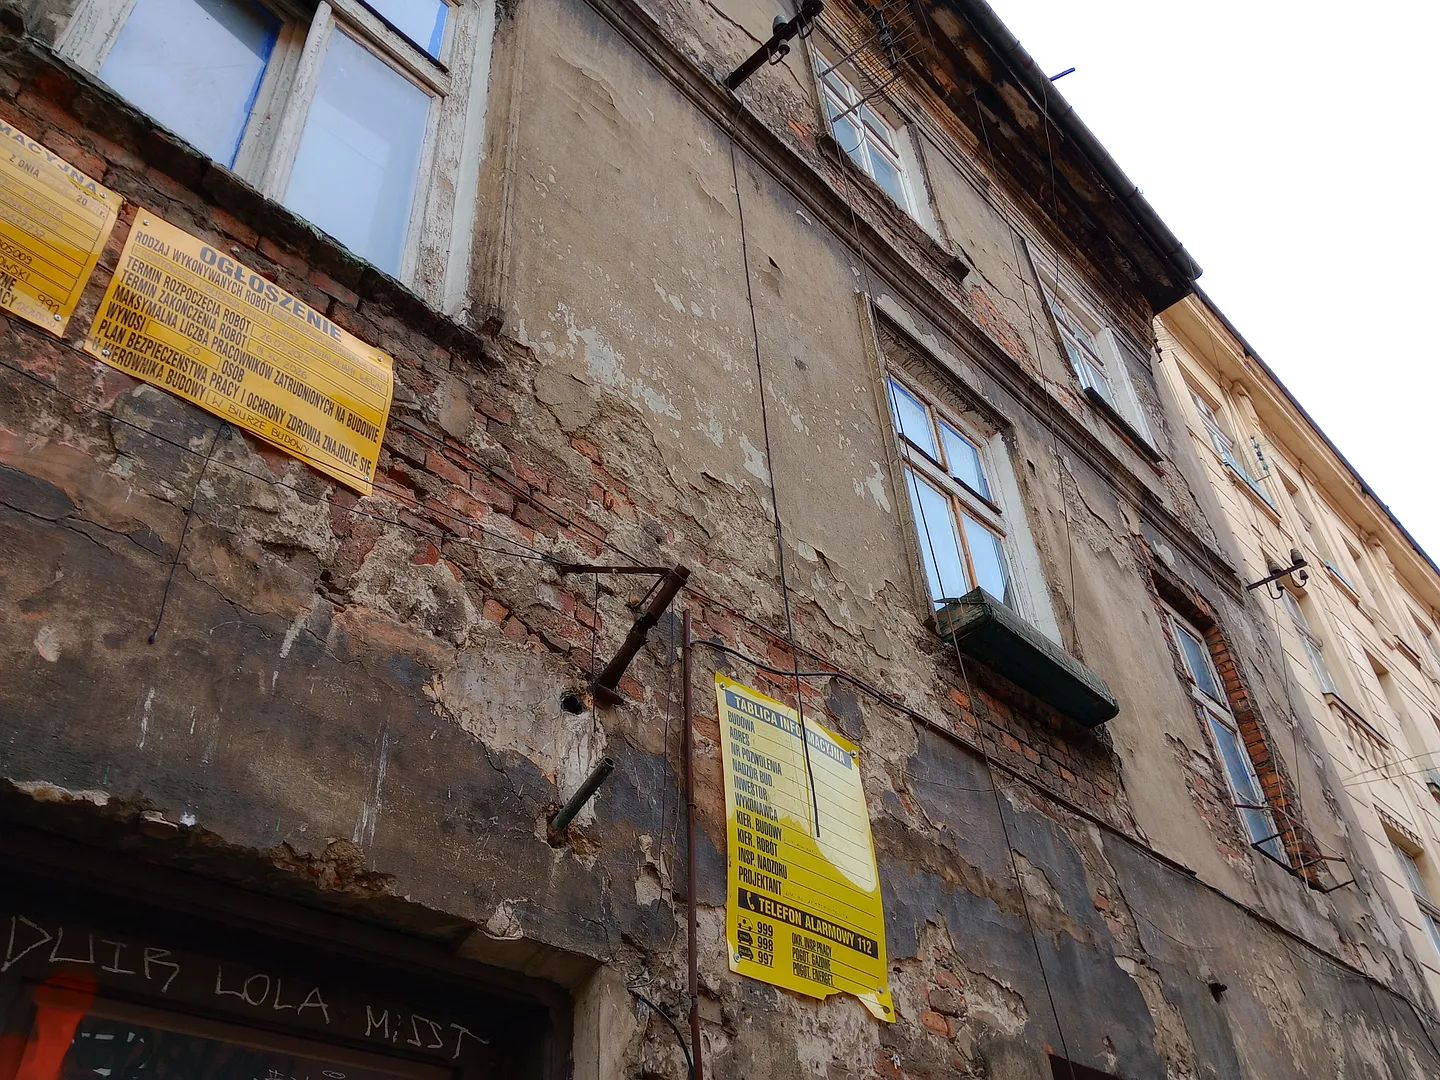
[
  {"x": 221, "y": 431},
  {"x": 814, "y": 808},
  {"x": 980, "y": 740},
  {"x": 679, "y": 1035}
]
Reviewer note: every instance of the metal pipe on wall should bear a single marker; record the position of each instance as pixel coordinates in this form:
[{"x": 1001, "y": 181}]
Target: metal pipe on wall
[{"x": 696, "y": 1053}]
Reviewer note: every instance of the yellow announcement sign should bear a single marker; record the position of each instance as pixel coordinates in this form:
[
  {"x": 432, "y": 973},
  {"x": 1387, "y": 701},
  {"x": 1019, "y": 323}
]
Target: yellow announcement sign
[
  {"x": 184, "y": 316},
  {"x": 54, "y": 222},
  {"x": 803, "y": 908}
]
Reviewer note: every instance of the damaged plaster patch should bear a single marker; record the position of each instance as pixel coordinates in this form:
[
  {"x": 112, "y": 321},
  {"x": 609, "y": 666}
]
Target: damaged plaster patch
[
  {"x": 425, "y": 593},
  {"x": 754, "y": 459},
  {"x": 508, "y": 702},
  {"x": 606, "y": 364},
  {"x": 874, "y": 486},
  {"x": 47, "y": 644},
  {"x": 503, "y": 925}
]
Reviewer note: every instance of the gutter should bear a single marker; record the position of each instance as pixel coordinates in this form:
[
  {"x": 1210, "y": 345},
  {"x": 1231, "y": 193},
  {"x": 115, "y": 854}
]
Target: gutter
[
  {"x": 1365, "y": 488},
  {"x": 983, "y": 19}
]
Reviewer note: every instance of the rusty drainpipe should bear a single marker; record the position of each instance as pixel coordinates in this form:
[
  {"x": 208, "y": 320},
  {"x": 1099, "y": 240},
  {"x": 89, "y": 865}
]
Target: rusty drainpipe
[{"x": 694, "y": 985}]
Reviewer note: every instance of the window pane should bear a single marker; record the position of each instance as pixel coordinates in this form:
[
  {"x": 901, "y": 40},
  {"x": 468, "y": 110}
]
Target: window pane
[
  {"x": 1411, "y": 869},
  {"x": 988, "y": 559},
  {"x": 880, "y": 128},
  {"x": 944, "y": 564},
  {"x": 888, "y": 177},
  {"x": 359, "y": 156},
  {"x": 964, "y": 460},
  {"x": 194, "y": 65},
  {"x": 912, "y": 419},
  {"x": 1243, "y": 782},
  {"x": 1197, "y": 659},
  {"x": 1318, "y": 665},
  {"x": 422, "y": 21},
  {"x": 1432, "y": 928}
]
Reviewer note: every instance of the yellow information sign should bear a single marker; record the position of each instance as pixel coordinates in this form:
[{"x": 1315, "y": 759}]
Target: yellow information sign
[
  {"x": 803, "y": 907},
  {"x": 184, "y": 316},
  {"x": 54, "y": 221}
]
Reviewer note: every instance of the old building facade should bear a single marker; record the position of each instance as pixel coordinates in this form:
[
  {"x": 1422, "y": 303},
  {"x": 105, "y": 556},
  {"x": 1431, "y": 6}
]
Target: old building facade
[
  {"x": 868, "y": 333},
  {"x": 1359, "y": 629}
]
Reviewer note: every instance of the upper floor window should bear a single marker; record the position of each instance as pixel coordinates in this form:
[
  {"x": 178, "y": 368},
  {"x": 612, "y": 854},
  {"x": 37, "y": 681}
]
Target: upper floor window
[
  {"x": 872, "y": 142},
  {"x": 1428, "y": 637},
  {"x": 341, "y": 110},
  {"x": 1415, "y": 882},
  {"x": 1095, "y": 353},
  {"x": 962, "y": 530},
  {"x": 1225, "y": 445},
  {"x": 1209, "y": 695},
  {"x": 1314, "y": 650}
]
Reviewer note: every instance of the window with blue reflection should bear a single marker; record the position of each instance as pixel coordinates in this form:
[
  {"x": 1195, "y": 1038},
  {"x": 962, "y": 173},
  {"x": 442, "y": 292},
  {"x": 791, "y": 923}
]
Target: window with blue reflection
[
  {"x": 912, "y": 419},
  {"x": 359, "y": 156},
  {"x": 422, "y": 21},
  {"x": 196, "y": 66},
  {"x": 988, "y": 560},
  {"x": 939, "y": 545},
  {"x": 963, "y": 460}
]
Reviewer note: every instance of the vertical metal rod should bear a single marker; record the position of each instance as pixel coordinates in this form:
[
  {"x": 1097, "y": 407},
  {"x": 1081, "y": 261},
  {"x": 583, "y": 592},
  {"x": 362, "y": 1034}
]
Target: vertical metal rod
[{"x": 696, "y": 1052}]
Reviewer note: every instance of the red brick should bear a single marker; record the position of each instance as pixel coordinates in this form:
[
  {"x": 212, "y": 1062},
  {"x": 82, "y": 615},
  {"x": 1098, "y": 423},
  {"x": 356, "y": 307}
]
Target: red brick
[
  {"x": 937, "y": 1023},
  {"x": 328, "y": 285},
  {"x": 288, "y": 259},
  {"x": 495, "y": 611}
]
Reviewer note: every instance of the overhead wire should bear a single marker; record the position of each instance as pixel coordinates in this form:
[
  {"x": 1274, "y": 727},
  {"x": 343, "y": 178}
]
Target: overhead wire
[
  {"x": 929, "y": 539},
  {"x": 814, "y": 808}
]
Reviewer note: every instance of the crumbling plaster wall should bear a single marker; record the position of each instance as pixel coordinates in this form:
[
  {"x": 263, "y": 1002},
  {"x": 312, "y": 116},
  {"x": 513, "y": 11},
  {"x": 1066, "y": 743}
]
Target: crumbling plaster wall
[{"x": 381, "y": 675}]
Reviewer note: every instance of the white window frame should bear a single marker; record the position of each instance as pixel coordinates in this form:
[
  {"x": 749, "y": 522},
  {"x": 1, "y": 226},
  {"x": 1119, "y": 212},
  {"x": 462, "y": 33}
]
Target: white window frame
[
  {"x": 1227, "y": 446},
  {"x": 441, "y": 216},
  {"x": 922, "y": 465},
  {"x": 1414, "y": 879},
  {"x": 1093, "y": 348},
  {"x": 1311, "y": 643},
  {"x": 878, "y": 134},
  {"x": 1256, "y": 819},
  {"x": 1427, "y": 637}
]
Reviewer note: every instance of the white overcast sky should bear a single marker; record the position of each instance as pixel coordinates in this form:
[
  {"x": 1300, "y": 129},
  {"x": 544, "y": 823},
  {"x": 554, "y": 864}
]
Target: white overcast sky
[{"x": 1292, "y": 147}]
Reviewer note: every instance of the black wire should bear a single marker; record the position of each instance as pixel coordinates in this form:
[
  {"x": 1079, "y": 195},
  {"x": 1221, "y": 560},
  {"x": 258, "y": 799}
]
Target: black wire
[
  {"x": 220, "y": 432},
  {"x": 774, "y": 497},
  {"x": 679, "y": 1036}
]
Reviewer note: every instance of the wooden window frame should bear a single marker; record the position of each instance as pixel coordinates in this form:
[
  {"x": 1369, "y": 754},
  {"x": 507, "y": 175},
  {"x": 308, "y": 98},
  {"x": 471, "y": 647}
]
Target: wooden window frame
[
  {"x": 437, "y": 221},
  {"x": 934, "y": 470}
]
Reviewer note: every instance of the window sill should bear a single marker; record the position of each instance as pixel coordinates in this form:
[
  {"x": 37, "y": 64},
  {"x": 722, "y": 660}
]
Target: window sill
[
  {"x": 1254, "y": 491},
  {"x": 1339, "y": 579},
  {"x": 983, "y": 627},
  {"x": 952, "y": 263},
  {"x": 1122, "y": 425}
]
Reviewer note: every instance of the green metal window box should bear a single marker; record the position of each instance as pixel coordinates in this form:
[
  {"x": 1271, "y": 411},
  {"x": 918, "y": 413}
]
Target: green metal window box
[{"x": 983, "y": 627}]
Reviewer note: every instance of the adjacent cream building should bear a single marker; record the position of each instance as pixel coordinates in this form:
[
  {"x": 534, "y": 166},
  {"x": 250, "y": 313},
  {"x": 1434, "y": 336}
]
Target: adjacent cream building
[{"x": 1359, "y": 627}]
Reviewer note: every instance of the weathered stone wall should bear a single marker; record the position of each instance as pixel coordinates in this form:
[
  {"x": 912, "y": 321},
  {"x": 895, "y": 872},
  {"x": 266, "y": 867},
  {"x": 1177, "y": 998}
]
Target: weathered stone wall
[{"x": 403, "y": 676}]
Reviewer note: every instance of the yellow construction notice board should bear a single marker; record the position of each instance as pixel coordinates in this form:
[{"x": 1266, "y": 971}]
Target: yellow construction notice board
[
  {"x": 803, "y": 908},
  {"x": 187, "y": 317},
  {"x": 54, "y": 222}
]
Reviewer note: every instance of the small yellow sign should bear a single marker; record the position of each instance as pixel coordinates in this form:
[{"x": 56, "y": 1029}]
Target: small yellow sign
[
  {"x": 803, "y": 908},
  {"x": 54, "y": 222},
  {"x": 186, "y": 317}
]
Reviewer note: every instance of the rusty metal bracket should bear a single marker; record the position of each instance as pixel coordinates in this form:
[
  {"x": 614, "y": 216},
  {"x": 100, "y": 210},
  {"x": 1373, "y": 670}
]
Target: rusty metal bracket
[
  {"x": 777, "y": 48},
  {"x": 671, "y": 581}
]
